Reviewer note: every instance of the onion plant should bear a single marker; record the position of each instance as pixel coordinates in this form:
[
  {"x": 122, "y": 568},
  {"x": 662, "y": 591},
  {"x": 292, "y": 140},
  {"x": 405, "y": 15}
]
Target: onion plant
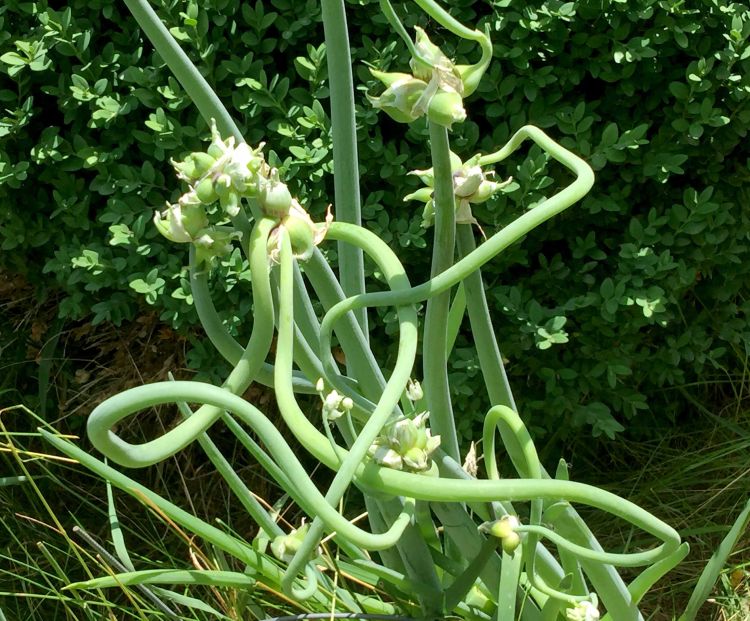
[{"x": 440, "y": 539}]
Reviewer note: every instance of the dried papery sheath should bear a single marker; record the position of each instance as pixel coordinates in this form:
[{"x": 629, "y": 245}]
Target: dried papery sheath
[
  {"x": 215, "y": 242},
  {"x": 401, "y": 98},
  {"x": 333, "y": 405},
  {"x": 414, "y": 391},
  {"x": 471, "y": 185},
  {"x": 470, "y": 464},
  {"x": 434, "y": 64}
]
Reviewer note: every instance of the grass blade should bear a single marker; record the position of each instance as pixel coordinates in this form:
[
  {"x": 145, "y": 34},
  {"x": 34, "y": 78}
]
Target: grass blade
[
  {"x": 711, "y": 573},
  {"x": 170, "y": 577},
  {"x": 8, "y": 481},
  {"x": 118, "y": 539},
  {"x": 190, "y": 602}
]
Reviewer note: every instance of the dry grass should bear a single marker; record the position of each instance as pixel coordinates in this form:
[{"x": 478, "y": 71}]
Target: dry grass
[{"x": 696, "y": 479}]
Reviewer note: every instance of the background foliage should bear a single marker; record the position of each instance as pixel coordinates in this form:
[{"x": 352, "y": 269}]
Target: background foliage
[{"x": 605, "y": 315}]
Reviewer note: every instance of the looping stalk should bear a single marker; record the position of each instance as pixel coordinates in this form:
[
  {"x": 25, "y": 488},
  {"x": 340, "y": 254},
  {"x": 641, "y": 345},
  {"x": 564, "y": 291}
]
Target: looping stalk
[{"x": 375, "y": 395}]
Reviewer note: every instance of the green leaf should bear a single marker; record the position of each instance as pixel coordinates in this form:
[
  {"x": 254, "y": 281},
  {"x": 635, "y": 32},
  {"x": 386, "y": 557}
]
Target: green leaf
[
  {"x": 510, "y": 574},
  {"x": 13, "y": 59},
  {"x": 609, "y": 135},
  {"x": 121, "y": 234}
]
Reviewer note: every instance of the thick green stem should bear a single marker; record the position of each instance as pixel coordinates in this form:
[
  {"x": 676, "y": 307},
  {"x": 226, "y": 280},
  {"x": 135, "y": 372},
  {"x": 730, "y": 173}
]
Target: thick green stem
[
  {"x": 353, "y": 341},
  {"x": 490, "y": 359},
  {"x": 350, "y": 317},
  {"x": 221, "y": 339},
  {"x": 186, "y": 73},
  {"x": 345, "y": 158},
  {"x": 434, "y": 346}
]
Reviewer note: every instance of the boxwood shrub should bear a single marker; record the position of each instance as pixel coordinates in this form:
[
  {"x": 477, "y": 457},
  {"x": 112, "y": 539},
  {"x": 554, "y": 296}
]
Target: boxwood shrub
[{"x": 605, "y": 315}]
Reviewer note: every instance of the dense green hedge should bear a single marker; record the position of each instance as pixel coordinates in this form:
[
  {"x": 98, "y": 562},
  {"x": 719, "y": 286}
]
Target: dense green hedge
[{"x": 601, "y": 313}]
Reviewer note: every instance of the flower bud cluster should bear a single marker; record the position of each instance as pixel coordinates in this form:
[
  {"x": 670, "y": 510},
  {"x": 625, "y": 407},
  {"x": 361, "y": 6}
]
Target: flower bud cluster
[
  {"x": 434, "y": 88},
  {"x": 414, "y": 391},
  {"x": 406, "y": 444},
  {"x": 334, "y": 404},
  {"x": 224, "y": 173},
  {"x": 284, "y": 547},
  {"x": 504, "y": 530},
  {"x": 227, "y": 172},
  {"x": 471, "y": 186},
  {"x": 583, "y": 611}
]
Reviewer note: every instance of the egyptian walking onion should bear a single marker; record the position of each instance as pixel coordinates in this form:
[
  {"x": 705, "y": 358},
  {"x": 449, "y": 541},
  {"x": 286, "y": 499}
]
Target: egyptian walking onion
[{"x": 443, "y": 541}]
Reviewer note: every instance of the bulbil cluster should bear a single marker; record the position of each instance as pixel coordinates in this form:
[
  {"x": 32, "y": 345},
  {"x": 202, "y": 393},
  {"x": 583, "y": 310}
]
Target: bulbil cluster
[
  {"x": 504, "y": 530},
  {"x": 406, "y": 444},
  {"x": 226, "y": 173},
  {"x": 436, "y": 86},
  {"x": 471, "y": 186},
  {"x": 583, "y": 611},
  {"x": 334, "y": 404},
  {"x": 284, "y": 547}
]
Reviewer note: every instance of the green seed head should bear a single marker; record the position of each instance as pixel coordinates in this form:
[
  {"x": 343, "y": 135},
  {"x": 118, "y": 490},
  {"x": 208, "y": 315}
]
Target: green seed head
[
  {"x": 169, "y": 224},
  {"x": 445, "y": 108},
  {"x": 194, "y": 166},
  {"x": 284, "y": 547},
  {"x": 301, "y": 235},
  {"x": 230, "y": 203},
  {"x": 416, "y": 459},
  {"x": 274, "y": 197},
  {"x": 385, "y": 456},
  {"x": 390, "y": 78},
  {"x": 504, "y": 527},
  {"x": 205, "y": 191},
  {"x": 510, "y": 543},
  {"x": 216, "y": 149},
  {"x": 422, "y": 195},
  {"x": 194, "y": 219},
  {"x": 202, "y": 162},
  {"x": 403, "y": 435},
  {"x": 185, "y": 169},
  {"x": 213, "y": 243},
  {"x": 428, "y": 215}
]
